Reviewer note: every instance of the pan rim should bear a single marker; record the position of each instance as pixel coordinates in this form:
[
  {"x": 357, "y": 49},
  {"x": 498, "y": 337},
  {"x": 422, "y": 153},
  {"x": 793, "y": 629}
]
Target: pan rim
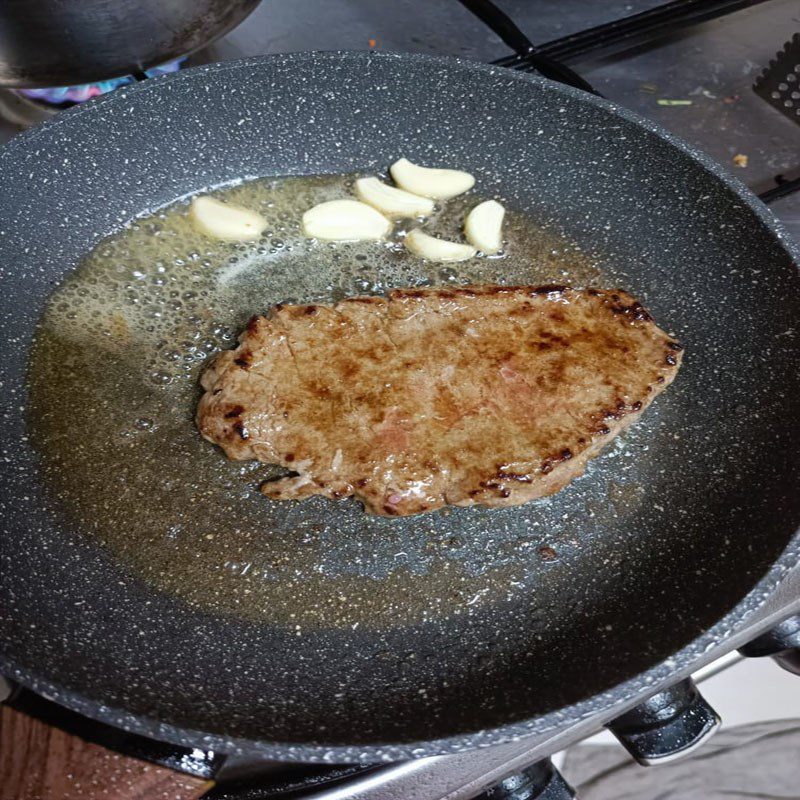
[{"x": 615, "y": 699}]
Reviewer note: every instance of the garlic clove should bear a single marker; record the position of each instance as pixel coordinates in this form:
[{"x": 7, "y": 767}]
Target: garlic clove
[
  {"x": 391, "y": 201},
  {"x": 441, "y": 184},
  {"x": 225, "y": 221},
  {"x": 345, "y": 221},
  {"x": 483, "y": 227},
  {"x": 434, "y": 249}
]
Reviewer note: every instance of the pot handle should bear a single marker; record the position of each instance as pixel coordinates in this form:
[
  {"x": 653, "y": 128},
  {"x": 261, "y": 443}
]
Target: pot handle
[{"x": 39, "y": 761}]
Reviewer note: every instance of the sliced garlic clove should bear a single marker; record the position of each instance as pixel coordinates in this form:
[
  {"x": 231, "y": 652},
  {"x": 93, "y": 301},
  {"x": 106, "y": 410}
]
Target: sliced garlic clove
[
  {"x": 434, "y": 249},
  {"x": 225, "y": 221},
  {"x": 391, "y": 201},
  {"x": 483, "y": 227},
  {"x": 441, "y": 184},
  {"x": 345, "y": 221}
]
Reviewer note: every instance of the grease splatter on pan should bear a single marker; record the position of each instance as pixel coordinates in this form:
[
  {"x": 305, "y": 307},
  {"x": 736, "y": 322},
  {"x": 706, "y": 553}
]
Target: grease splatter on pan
[{"x": 114, "y": 384}]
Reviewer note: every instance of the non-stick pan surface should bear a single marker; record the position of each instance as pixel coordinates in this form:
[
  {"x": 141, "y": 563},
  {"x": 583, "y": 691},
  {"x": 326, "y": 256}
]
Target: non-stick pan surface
[{"x": 662, "y": 539}]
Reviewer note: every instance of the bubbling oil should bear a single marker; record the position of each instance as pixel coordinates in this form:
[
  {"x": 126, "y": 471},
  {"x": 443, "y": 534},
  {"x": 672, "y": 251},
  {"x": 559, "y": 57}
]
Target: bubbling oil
[{"x": 114, "y": 385}]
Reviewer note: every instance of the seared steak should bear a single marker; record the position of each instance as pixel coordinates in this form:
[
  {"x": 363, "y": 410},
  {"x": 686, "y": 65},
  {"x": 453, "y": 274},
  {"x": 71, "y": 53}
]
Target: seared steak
[{"x": 484, "y": 395}]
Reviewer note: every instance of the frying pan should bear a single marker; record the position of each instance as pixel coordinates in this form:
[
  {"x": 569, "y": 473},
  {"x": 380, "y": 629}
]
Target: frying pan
[{"x": 663, "y": 548}]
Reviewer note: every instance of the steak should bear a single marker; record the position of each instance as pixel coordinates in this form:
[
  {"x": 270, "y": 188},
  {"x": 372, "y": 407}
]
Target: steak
[{"x": 479, "y": 395}]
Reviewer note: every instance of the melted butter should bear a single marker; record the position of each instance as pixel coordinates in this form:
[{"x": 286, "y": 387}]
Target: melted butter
[{"x": 114, "y": 384}]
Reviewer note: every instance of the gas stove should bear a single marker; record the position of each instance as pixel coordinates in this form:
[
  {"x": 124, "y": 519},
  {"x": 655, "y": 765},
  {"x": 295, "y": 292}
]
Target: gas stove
[{"x": 689, "y": 65}]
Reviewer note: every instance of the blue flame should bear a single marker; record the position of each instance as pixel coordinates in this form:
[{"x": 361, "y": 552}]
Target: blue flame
[{"x": 78, "y": 94}]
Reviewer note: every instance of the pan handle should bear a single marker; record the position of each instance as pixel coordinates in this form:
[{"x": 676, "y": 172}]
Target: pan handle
[
  {"x": 39, "y": 761},
  {"x": 488, "y": 13}
]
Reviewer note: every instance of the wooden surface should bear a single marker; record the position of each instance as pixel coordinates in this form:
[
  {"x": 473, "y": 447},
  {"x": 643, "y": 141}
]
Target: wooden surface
[{"x": 38, "y": 762}]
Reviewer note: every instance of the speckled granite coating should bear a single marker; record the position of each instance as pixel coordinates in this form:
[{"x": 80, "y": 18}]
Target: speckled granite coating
[{"x": 662, "y": 538}]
